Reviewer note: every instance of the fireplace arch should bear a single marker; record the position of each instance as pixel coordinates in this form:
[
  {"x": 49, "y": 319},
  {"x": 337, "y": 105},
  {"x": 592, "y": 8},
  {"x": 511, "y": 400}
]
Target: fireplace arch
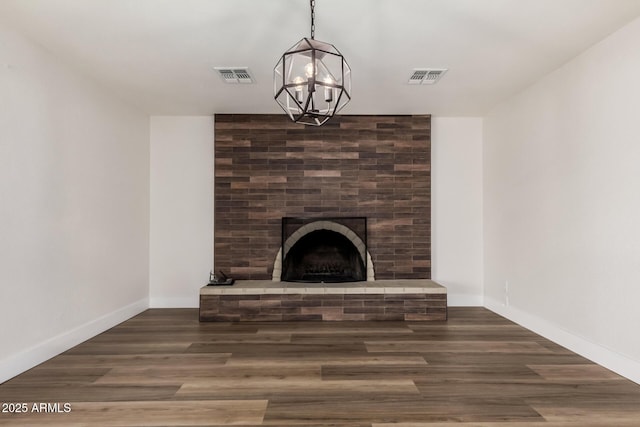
[{"x": 329, "y": 226}]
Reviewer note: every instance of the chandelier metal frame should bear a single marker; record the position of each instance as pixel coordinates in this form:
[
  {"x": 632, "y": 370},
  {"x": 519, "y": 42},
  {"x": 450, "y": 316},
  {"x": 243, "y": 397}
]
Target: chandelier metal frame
[{"x": 312, "y": 80}]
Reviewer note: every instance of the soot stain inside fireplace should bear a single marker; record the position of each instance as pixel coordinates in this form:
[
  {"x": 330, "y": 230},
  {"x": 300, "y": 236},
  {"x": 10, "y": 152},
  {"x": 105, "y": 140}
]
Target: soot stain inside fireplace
[{"x": 323, "y": 256}]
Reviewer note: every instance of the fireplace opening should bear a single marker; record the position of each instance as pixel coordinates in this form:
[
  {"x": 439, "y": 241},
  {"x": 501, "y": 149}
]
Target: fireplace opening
[{"x": 323, "y": 256}]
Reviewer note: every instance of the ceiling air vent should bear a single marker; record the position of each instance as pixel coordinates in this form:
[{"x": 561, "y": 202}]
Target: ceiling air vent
[
  {"x": 235, "y": 74},
  {"x": 426, "y": 76}
]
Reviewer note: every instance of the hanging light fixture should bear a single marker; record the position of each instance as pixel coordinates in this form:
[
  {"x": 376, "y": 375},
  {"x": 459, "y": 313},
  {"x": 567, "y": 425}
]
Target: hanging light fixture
[{"x": 312, "y": 80}]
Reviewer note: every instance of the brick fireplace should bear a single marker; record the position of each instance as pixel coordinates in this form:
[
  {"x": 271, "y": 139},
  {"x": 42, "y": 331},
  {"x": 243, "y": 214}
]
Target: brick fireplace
[{"x": 377, "y": 167}]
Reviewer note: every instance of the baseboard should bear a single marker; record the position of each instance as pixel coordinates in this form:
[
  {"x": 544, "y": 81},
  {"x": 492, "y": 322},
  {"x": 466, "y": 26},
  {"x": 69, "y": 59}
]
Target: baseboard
[
  {"x": 190, "y": 302},
  {"x": 27, "y": 359},
  {"x": 618, "y": 363},
  {"x": 461, "y": 300}
]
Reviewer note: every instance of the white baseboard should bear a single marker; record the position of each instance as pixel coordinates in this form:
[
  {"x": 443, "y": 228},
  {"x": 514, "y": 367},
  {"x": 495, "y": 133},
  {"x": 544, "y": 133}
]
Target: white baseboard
[
  {"x": 618, "y": 363},
  {"x": 33, "y": 356},
  {"x": 461, "y": 300},
  {"x": 187, "y": 302}
]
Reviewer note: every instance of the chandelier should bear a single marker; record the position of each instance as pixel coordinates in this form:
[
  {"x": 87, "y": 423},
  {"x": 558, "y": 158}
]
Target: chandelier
[{"x": 312, "y": 80}]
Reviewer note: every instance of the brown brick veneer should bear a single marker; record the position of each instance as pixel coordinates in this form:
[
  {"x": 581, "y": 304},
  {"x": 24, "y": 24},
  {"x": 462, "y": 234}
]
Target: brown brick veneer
[
  {"x": 267, "y": 167},
  {"x": 295, "y": 307}
]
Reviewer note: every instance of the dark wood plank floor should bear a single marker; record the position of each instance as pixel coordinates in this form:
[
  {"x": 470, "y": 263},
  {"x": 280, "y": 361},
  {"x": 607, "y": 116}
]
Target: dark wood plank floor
[{"x": 163, "y": 367}]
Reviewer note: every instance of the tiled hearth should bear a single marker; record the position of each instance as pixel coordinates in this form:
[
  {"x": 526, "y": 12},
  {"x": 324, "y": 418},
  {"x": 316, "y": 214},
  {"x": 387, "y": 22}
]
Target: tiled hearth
[{"x": 265, "y": 300}]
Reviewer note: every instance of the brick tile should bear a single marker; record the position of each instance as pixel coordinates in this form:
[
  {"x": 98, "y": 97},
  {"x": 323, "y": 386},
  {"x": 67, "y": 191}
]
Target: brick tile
[{"x": 268, "y": 167}]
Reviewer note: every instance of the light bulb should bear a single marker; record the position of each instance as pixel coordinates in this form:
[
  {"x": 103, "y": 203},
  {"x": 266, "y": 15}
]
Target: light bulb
[
  {"x": 328, "y": 91},
  {"x": 299, "y": 82},
  {"x": 309, "y": 70}
]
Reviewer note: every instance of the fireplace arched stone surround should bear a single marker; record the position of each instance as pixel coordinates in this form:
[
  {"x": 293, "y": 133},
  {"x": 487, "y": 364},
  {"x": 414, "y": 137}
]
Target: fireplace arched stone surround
[{"x": 322, "y": 225}]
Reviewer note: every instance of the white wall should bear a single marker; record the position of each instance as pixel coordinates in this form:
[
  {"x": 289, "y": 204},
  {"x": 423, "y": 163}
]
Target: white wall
[
  {"x": 181, "y": 249},
  {"x": 456, "y": 197},
  {"x": 74, "y": 207},
  {"x": 562, "y": 204},
  {"x": 182, "y": 208}
]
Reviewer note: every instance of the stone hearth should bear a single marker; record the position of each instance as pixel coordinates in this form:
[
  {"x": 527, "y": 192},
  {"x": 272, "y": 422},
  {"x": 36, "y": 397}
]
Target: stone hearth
[{"x": 265, "y": 300}]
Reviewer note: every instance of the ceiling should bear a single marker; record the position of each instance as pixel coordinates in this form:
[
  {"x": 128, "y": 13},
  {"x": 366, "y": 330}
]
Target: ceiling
[{"x": 159, "y": 54}]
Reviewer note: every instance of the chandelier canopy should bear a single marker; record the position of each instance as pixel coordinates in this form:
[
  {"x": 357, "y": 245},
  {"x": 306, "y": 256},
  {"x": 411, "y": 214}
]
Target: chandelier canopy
[{"x": 312, "y": 80}]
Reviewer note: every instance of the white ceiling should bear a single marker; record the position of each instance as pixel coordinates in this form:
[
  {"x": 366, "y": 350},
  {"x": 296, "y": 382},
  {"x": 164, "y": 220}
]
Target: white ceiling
[{"x": 159, "y": 54}]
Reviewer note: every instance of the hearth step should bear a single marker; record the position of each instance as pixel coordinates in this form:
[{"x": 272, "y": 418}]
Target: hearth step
[{"x": 257, "y": 300}]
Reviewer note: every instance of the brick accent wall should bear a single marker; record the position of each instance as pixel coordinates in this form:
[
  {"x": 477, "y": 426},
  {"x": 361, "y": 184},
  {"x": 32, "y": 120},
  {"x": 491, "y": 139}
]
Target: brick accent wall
[{"x": 267, "y": 167}]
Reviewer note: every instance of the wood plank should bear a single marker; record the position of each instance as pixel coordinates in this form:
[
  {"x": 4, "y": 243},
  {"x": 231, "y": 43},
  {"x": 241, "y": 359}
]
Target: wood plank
[
  {"x": 390, "y": 410},
  {"x": 338, "y": 328},
  {"x": 581, "y": 372},
  {"x": 538, "y": 392},
  {"x": 65, "y": 361},
  {"x": 431, "y": 374},
  {"x": 91, "y": 348},
  {"x": 500, "y": 359},
  {"x": 163, "y": 367},
  {"x": 180, "y": 375},
  {"x": 583, "y": 423},
  {"x": 454, "y": 346},
  {"x": 176, "y": 413},
  {"x": 296, "y": 388},
  {"x": 275, "y": 349},
  {"x": 57, "y": 392},
  {"x": 591, "y": 415},
  {"x": 179, "y": 337},
  {"x": 60, "y": 376},
  {"x": 294, "y": 360}
]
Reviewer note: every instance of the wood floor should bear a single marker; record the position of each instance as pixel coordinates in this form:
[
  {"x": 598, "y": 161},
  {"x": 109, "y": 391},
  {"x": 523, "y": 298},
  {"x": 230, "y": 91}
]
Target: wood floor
[{"x": 164, "y": 368}]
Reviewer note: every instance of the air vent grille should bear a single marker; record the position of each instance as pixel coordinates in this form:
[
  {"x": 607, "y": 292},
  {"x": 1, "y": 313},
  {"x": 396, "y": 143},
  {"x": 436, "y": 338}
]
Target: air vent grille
[
  {"x": 426, "y": 76},
  {"x": 235, "y": 74}
]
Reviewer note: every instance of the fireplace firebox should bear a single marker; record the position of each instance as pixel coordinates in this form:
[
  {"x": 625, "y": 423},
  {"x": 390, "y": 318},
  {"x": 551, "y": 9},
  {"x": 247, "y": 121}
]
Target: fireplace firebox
[{"x": 328, "y": 250}]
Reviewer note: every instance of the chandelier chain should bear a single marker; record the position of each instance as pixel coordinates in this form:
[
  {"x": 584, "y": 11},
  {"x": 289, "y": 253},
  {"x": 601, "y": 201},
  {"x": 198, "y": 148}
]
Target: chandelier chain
[{"x": 313, "y": 19}]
